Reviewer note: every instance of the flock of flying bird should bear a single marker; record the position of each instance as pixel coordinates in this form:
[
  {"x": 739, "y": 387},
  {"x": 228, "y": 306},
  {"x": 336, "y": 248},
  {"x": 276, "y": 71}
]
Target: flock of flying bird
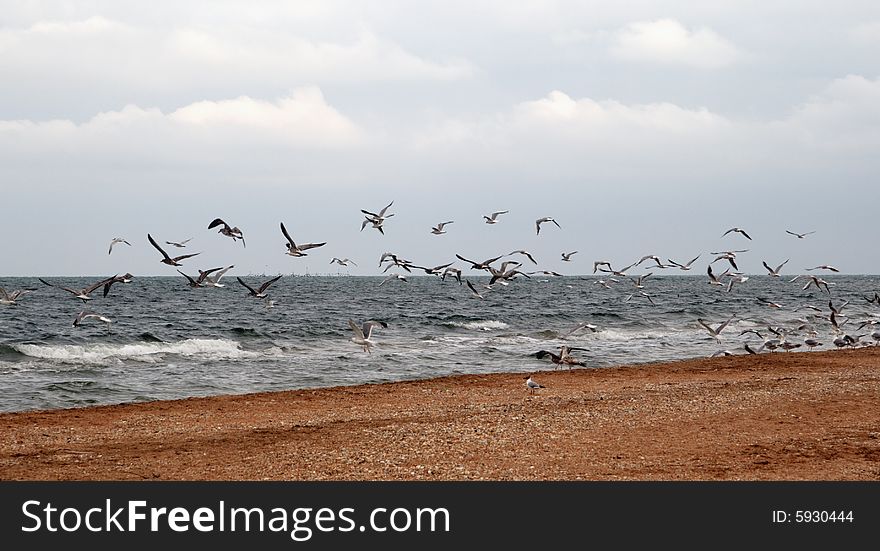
[{"x": 507, "y": 271}]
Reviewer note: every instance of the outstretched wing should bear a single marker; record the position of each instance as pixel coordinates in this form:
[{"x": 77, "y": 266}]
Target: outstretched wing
[
  {"x": 215, "y": 223},
  {"x": 179, "y": 258},
  {"x": 289, "y": 239},
  {"x": 191, "y": 280},
  {"x": 153, "y": 242},
  {"x": 265, "y": 285},
  {"x": 358, "y": 332},
  {"x": 249, "y": 288}
]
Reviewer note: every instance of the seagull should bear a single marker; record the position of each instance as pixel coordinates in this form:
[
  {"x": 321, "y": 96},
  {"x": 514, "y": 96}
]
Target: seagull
[
  {"x": 297, "y": 250},
  {"x": 642, "y": 293},
  {"x": 683, "y": 266},
  {"x": 823, "y": 267},
  {"x": 391, "y": 276},
  {"x": 202, "y": 275},
  {"x": 527, "y": 254},
  {"x": 580, "y": 326},
  {"x": 82, "y": 294},
  {"x": 476, "y": 294},
  {"x": 377, "y": 219},
  {"x": 115, "y": 241},
  {"x": 493, "y": 219},
  {"x": 566, "y": 257},
  {"x": 116, "y": 279},
  {"x": 713, "y": 280},
  {"x": 234, "y": 233},
  {"x": 484, "y": 265},
  {"x": 540, "y": 221},
  {"x": 436, "y": 270},
  {"x": 261, "y": 292},
  {"x": 532, "y": 385},
  {"x": 774, "y": 272},
  {"x": 799, "y": 235},
  {"x": 168, "y": 260},
  {"x": 85, "y": 314},
  {"x": 818, "y": 282},
  {"x": 638, "y": 282},
  {"x": 812, "y": 342},
  {"x": 620, "y": 273},
  {"x": 210, "y": 281},
  {"x": 10, "y": 298},
  {"x": 717, "y": 330},
  {"x": 342, "y": 261},
  {"x": 454, "y": 271},
  {"x": 362, "y": 334},
  {"x": 563, "y": 358},
  {"x": 179, "y": 244},
  {"x": 728, "y": 256},
  {"x": 737, "y": 230},
  {"x": 544, "y": 272},
  {"x": 769, "y": 303},
  {"x": 438, "y": 229}
]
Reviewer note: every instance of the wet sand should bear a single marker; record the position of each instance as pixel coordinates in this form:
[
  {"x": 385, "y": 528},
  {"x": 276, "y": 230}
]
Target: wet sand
[{"x": 782, "y": 416}]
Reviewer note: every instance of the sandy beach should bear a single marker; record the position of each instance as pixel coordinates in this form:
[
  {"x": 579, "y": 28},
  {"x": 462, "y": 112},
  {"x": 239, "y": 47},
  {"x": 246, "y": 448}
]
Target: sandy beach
[{"x": 781, "y": 416}]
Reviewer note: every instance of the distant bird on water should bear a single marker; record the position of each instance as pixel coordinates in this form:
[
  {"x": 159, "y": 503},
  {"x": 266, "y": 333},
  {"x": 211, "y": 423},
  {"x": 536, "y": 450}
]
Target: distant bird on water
[
  {"x": 167, "y": 259},
  {"x": 115, "y": 241},
  {"x": 227, "y": 230}
]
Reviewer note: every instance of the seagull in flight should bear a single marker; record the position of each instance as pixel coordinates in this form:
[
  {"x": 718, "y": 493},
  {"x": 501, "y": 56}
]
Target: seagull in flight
[
  {"x": 261, "y": 291},
  {"x": 713, "y": 279},
  {"x": 377, "y": 219},
  {"x": 799, "y": 235},
  {"x": 10, "y": 298},
  {"x": 167, "y": 259},
  {"x": 774, "y": 272},
  {"x": 82, "y": 294},
  {"x": 342, "y": 261},
  {"x": 823, "y": 267},
  {"x": 393, "y": 275},
  {"x": 456, "y": 272},
  {"x": 476, "y": 294},
  {"x": 563, "y": 358},
  {"x": 214, "y": 281},
  {"x": 226, "y": 230},
  {"x": 737, "y": 230},
  {"x": 179, "y": 244},
  {"x": 540, "y": 221},
  {"x": 527, "y": 254},
  {"x": 85, "y": 314},
  {"x": 116, "y": 279},
  {"x": 716, "y": 330},
  {"x": 438, "y": 229},
  {"x": 199, "y": 282},
  {"x": 493, "y": 218},
  {"x": 683, "y": 266},
  {"x": 298, "y": 250},
  {"x": 115, "y": 241},
  {"x": 484, "y": 265},
  {"x": 363, "y": 333},
  {"x": 566, "y": 257}
]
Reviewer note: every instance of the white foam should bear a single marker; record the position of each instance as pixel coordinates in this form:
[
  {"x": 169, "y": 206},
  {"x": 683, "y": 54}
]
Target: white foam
[
  {"x": 218, "y": 349},
  {"x": 481, "y": 325}
]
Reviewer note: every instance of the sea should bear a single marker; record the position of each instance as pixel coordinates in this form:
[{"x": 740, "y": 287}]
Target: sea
[{"x": 167, "y": 340}]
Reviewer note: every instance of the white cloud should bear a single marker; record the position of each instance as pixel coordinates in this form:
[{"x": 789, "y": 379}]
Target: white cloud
[
  {"x": 669, "y": 42},
  {"x": 866, "y": 34},
  {"x": 302, "y": 120}
]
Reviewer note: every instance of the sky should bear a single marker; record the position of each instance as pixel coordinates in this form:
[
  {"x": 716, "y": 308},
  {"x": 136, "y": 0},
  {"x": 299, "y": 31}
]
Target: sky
[{"x": 642, "y": 127}]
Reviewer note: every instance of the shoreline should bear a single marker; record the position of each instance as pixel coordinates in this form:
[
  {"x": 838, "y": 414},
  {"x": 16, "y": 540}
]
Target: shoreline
[{"x": 781, "y": 416}]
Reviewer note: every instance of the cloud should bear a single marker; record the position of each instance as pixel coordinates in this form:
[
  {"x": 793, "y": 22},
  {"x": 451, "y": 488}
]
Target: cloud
[
  {"x": 866, "y": 34},
  {"x": 302, "y": 120},
  {"x": 668, "y": 42}
]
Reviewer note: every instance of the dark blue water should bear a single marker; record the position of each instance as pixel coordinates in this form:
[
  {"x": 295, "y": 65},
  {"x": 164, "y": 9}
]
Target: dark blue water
[{"x": 167, "y": 340}]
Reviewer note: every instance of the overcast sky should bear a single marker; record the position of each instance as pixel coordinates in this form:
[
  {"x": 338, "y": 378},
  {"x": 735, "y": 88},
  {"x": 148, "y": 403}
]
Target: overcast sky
[{"x": 642, "y": 127}]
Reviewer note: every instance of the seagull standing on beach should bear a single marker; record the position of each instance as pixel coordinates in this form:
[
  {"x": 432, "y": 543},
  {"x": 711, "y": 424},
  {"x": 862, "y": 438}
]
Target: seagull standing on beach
[
  {"x": 226, "y": 230},
  {"x": 363, "y": 333},
  {"x": 115, "y": 241},
  {"x": 531, "y": 384},
  {"x": 167, "y": 259}
]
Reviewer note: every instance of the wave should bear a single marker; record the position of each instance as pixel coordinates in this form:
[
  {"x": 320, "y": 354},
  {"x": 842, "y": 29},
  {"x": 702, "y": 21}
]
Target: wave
[
  {"x": 217, "y": 349},
  {"x": 478, "y": 325}
]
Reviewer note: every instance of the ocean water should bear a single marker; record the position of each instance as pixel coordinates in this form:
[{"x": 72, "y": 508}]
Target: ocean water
[{"x": 167, "y": 340}]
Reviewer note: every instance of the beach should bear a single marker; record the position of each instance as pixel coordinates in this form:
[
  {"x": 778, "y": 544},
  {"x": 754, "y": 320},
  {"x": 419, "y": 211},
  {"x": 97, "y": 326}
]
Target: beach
[{"x": 779, "y": 416}]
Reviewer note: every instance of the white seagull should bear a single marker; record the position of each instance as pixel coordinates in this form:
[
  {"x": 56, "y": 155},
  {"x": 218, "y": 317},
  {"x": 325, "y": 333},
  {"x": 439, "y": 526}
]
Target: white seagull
[
  {"x": 115, "y": 241},
  {"x": 566, "y": 257},
  {"x": 737, "y": 230},
  {"x": 298, "y": 250},
  {"x": 531, "y": 384},
  {"x": 716, "y": 330},
  {"x": 85, "y": 314},
  {"x": 226, "y": 230},
  {"x": 362, "y": 334},
  {"x": 179, "y": 244},
  {"x": 540, "y": 221},
  {"x": 438, "y": 229},
  {"x": 493, "y": 219},
  {"x": 214, "y": 281},
  {"x": 683, "y": 266},
  {"x": 342, "y": 261},
  {"x": 774, "y": 272},
  {"x": 10, "y": 298}
]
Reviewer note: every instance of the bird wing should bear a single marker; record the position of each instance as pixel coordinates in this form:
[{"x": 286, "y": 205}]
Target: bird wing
[
  {"x": 473, "y": 290},
  {"x": 290, "y": 240},
  {"x": 745, "y": 234},
  {"x": 781, "y": 265},
  {"x": 266, "y": 284},
  {"x": 94, "y": 286},
  {"x": 368, "y": 326},
  {"x": 769, "y": 269},
  {"x": 191, "y": 280},
  {"x": 465, "y": 259},
  {"x": 358, "y": 332},
  {"x": 182, "y": 257},
  {"x": 708, "y": 328},
  {"x": 723, "y": 325},
  {"x": 153, "y": 242},
  {"x": 216, "y": 222},
  {"x": 382, "y": 212},
  {"x": 306, "y": 246},
  {"x": 222, "y": 272},
  {"x": 249, "y": 288}
]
